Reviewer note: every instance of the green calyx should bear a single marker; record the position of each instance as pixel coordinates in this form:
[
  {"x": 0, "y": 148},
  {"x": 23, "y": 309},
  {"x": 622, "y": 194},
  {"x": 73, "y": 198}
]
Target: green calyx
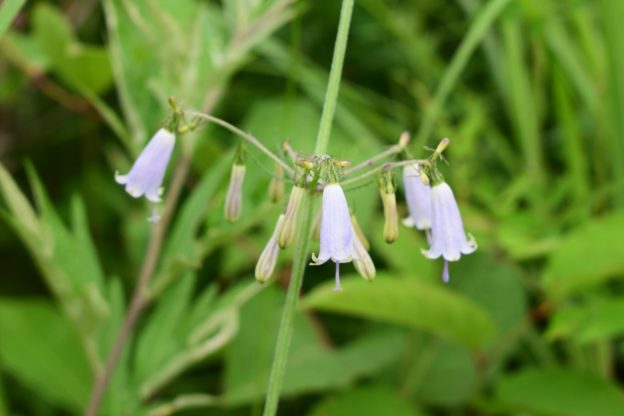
[
  {"x": 241, "y": 155},
  {"x": 330, "y": 170},
  {"x": 387, "y": 182}
]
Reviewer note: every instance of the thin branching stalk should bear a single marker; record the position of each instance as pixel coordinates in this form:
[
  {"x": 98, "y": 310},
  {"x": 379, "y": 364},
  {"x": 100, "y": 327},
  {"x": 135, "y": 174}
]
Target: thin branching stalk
[
  {"x": 385, "y": 166},
  {"x": 248, "y": 137},
  {"x": 391, "y": 151},
  {"x": 285, "y": 333}
]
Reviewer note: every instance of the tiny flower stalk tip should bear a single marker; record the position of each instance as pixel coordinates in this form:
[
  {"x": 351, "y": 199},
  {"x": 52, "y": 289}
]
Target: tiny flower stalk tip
[
  {"x": 387, "y": 189},
  {"x": 276, "y": 186},
  {"x": 287, "y": 230},
  {"x": 268, "y": 258},
  {"x": 234, "y": 198},
  {"x": 148, "y": 171}
]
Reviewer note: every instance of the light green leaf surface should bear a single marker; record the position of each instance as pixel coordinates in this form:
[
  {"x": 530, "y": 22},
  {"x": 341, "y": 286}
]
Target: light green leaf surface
[
  {"x": 410, "y": 302},
  {"x": 311, "y": 367},
  {"x": 588, "y": 255},
  {"x": 8, "y": 11},
  {"x": 597, "y": 320},
  {"x": 560, "y": 392},
  {"x": 365, "y": 401},
  {"x": 40, "y": 349}
]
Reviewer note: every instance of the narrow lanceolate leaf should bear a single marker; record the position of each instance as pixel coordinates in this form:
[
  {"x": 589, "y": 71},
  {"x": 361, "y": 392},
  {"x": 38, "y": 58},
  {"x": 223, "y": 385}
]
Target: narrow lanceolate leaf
[
  {"x": 22, "y": 211},
  {"x": 8, "y": 11},
  {"x": 560, "y": 392},
  {"x": 410, "y": 302},
  {"x": 588, "y": 256}
]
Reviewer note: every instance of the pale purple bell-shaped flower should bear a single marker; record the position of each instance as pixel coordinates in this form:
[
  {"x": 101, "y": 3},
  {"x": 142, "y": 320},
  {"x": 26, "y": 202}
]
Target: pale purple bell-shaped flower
[
  {"x": 336, "y": 230},
  {"x": 448, "y": 238},
  {"x": 147, "y": 173},
  {"x": 418, "y": 197}
]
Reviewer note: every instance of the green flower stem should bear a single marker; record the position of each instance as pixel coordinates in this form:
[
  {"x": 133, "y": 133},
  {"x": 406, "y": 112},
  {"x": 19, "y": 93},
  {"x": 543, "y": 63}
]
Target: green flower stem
[
  {"x": 248, "y": 137},
  {"x": 303, "y": 236},
  {"x": 391, "y": 151},
  {"x": 288, "y": 314},
  {"x": 333, "y": 85}
]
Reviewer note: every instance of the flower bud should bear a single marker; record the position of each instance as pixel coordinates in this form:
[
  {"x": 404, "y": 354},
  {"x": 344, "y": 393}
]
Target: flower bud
[
  {"x": 234, "y": 197},
  {"x": 358, "y": 230},
  {"x": 442, "y": 145},
  {"x": 362, "y": 260},
  {"x": 287, "y": 231},
  {"x": 268, "y": 258},
  {"x": 276, "y": 186},
  {"x": 404, "y": 139},
  {"x": 388, "y": 198}
]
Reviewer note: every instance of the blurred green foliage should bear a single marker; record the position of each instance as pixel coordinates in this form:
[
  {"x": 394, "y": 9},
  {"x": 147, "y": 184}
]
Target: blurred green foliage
[{"x": 531, "y": 93}]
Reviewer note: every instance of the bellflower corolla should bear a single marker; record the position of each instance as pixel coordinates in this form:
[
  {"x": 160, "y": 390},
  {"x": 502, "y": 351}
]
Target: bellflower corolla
[
  {"x": 418, "y": 196},
  {"x": 336, "y": 230},
  {"x": 148, "y": 171},
  {"x": 448, "y": 238}
]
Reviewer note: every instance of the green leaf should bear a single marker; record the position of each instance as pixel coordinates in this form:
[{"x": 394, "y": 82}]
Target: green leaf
[
  {"x": 495, "y": 286},
  {"x": 596, "y": 321},
  {"x": 23, "y": 213},
  {"x": 560, "y": 392},
  {"x": 39, "y": 348},
  {"x": 365, "y": 401},
  {"x": 8, "y": 11},
  {"x": 588, "y": 256},
  {"x": 83, "y": 67},
  {"x": 410, "y": 302},
  {"x": 311, "y": 366},
  {"x": 450, "y": 378},
  {"x": 162, "y": 338}
]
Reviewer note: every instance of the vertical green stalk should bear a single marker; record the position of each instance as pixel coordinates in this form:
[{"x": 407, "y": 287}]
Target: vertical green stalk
[
  {"x": 331, "y": 96},
  {"x": 303, "y": 241},
  {"x": 612, "y": 13}
]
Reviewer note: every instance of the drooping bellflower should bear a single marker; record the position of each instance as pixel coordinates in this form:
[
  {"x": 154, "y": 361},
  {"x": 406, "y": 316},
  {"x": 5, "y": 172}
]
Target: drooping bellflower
[
  {"x": 448, "y": 238},
  {"x": 336, "y": 230},
  {"x": 418, "y": 197},
  {"x": 147, "y": 173}
]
